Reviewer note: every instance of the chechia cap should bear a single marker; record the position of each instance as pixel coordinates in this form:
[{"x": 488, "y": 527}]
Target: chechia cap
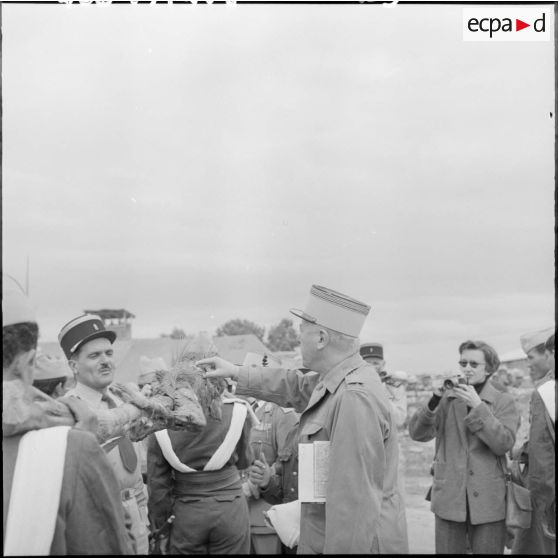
[
  {"x": 372, "y": 350},
  {"x": 16, "y": 306},
  {"x": 334, "y": 310},
  {"x": 80, "y": 330},
  {"x": 531, "y": 340}
]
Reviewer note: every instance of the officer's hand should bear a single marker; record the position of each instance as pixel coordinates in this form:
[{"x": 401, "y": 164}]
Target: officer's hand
[
  {"x": 216, "y": 367},
  {"x": 260, "y": 472},
  {"x": 86, "y": 419}
]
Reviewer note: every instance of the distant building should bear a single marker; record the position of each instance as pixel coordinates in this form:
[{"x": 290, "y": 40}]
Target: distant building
[
  {"x": 119, "y": 321},
  {"x": 515, "y": 359}
]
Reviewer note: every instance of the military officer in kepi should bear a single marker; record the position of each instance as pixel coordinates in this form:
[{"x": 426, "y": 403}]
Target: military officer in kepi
[{"x": 342, "y": 402}]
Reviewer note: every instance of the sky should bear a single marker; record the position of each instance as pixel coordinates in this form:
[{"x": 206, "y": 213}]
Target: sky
[{"x": 199, "y": 163}]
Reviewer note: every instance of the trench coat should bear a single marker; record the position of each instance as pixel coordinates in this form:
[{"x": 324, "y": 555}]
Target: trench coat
[
  {"x": 470, "y": 445},
  {"x": 349, "y": 408}
]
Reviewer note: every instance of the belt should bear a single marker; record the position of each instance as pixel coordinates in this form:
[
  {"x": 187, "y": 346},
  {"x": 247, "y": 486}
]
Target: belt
[
  {"x": 127, "y": 494},
  {"x": 186, "y": 484}
]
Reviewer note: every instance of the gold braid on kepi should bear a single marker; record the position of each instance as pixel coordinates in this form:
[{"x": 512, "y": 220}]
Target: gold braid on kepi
[{"x": 334, "y": 310}]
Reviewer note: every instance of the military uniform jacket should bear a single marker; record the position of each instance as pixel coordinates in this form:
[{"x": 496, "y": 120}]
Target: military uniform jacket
[
  {"x": 469, "y": 447},
  {"x": 269, "y": 438},
  {"x": 348, "y": 407},
  {"x": 90, "y": 518},
  {"x": 283, "y": 485},
  {"x": 195, "y": 449}
]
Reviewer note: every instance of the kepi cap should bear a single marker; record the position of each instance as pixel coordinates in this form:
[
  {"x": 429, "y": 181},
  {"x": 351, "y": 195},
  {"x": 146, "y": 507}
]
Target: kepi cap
[
  {"x": 80, "y": 330},
  {"x": 16, "y": 306},
  {"x": 531, "y": 340},
  {"x": 334, "y": 310},
  {"x": 372, "y": 350}
]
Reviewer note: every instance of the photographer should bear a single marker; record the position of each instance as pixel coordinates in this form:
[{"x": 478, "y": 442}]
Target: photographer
[{"x": 474, "y": 425}]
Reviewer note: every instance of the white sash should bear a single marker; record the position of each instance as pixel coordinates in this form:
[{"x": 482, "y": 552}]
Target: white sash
[
  {"x": 35, "y": 494},
  {"x": 223, "y": 452},
  {"x": 547, "y": 391}
]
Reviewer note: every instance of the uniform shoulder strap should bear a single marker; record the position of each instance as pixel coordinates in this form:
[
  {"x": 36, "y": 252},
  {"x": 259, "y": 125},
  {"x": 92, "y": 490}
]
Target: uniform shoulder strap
[{"x": 227, "y": 447}]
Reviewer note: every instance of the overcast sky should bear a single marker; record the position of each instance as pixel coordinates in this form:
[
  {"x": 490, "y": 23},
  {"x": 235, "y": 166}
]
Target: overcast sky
[{"x": 195, "y": 164}]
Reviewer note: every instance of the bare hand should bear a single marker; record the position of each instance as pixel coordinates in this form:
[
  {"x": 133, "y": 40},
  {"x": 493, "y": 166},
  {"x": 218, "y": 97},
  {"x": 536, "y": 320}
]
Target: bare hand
[
  {"x": 467, "y": 394},
  {"x": 216, "y": 367},
  {"x": 260, "y": 472},
  {"x": 86, "y": 419},
  {"x": 438, "y": 388}
]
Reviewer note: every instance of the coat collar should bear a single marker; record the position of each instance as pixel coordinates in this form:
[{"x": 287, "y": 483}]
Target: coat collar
[
  {"x": 337, "y": 374},
  {"x": 489, "y": 393}
]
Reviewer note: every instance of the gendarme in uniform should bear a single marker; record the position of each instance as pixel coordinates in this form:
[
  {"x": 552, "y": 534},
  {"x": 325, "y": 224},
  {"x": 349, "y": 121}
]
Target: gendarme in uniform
[
  {"x": 121, "y": 453},
  {"x": 347, "y": 406}
]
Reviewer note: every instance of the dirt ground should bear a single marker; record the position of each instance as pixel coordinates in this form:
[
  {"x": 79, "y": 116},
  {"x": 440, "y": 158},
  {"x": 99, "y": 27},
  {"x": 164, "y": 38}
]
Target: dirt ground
[{"x": 420, "y": 520}]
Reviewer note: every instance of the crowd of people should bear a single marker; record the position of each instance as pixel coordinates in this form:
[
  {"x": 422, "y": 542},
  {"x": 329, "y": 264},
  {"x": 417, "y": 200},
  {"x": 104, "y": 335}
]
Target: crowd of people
[{"x": 303, "y": 460}]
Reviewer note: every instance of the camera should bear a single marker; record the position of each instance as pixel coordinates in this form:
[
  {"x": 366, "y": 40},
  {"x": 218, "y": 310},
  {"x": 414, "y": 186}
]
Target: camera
[{"x": 450, "y": 384}]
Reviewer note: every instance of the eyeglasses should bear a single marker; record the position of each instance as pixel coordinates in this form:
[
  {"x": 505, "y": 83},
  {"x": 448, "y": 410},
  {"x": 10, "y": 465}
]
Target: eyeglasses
[{"x": 464, "y": 363}]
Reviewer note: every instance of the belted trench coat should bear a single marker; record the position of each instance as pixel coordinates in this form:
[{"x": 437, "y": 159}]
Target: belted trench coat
[{"x": 349, "y": 408}]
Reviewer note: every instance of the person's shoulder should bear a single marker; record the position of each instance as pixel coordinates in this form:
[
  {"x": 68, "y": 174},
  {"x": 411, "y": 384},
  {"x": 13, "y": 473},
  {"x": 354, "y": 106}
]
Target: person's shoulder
[
  {"x": 361, "y": 377},
  {"x": 82, "y": 440}
]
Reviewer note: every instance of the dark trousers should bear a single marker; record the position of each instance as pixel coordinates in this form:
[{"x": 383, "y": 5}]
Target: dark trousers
[
  {"x": 455, "y": 537},
  {"x": 212, "y": 525}
]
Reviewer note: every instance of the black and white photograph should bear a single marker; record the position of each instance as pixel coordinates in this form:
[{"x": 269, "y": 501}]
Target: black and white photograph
[{"x": 278, "y": 277}]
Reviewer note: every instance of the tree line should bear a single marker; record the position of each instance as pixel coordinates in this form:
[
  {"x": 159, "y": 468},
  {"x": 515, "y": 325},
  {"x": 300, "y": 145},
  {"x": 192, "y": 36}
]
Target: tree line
[{"x": 280, "y": 337}]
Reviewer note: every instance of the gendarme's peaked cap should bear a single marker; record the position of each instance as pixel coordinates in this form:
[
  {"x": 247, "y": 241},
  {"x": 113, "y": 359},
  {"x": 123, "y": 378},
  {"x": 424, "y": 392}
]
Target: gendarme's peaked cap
[
  {"x": 334, "y": 310},
  {"x": 372, "y": 350},
  {"x": 81, "y": 330},
  {"x": 534, "y": 339}
]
